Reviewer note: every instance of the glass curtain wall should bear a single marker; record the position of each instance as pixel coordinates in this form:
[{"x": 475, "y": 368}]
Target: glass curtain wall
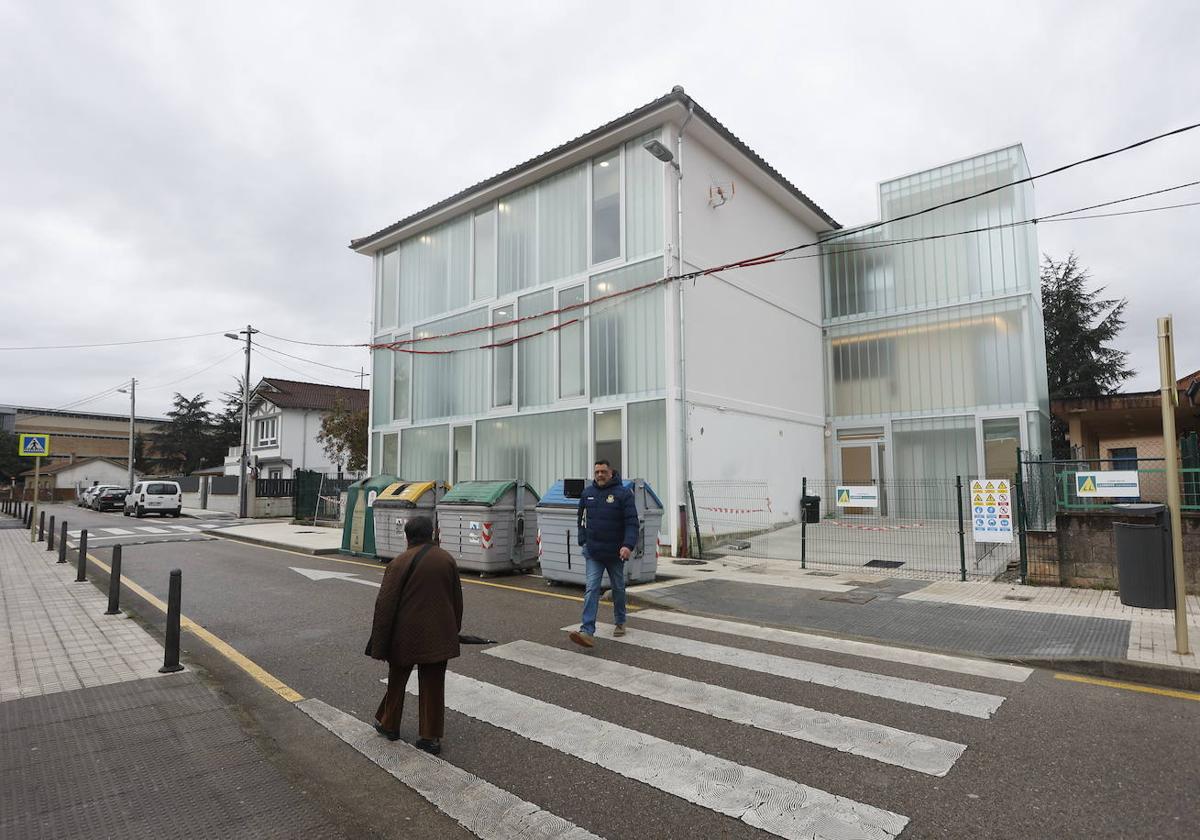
[
  {"x": 425, "y": 454},
  {"x": 627, "y": 352},
  {"x": 435, "y": 271},
  {"x": 390, "y": 461},
  {"x": 535, "y": 354},
  {"x": 381, "y": 392},
  {"x": 541, "y": 448},
  {"x": 643, "y": 199},
  {"x": 451, "y": 384},
  {"x": 646, "y": 456},
  {"x": 401, "y": 380}
]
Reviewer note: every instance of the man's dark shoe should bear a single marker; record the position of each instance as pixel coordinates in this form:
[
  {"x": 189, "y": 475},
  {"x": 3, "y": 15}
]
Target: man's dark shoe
[
  {"x": 433, "y": 746},
  {"x": 619, "y": 630},
  {"x": 391, "y": 736},
  {"x": 582, "y": 638}
]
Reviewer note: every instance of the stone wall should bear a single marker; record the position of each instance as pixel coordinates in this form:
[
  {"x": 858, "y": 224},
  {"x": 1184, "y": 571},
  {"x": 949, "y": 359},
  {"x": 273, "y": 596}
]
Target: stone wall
[{"x": 1081, "y": 551}]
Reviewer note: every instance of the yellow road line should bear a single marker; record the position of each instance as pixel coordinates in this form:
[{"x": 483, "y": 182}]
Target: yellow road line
[
  {"x": 256, "y": 671},
  {"x": 1146, "y": 689}
]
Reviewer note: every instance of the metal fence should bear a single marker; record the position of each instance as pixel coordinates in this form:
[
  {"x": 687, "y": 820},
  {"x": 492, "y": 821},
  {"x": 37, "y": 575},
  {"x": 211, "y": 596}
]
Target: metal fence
[
  {"x": 919, "y": 529},
  {"x": 316, "y": 497},
  {"x": 272, "y": 488},
  {"x": 223, "y": 485}
]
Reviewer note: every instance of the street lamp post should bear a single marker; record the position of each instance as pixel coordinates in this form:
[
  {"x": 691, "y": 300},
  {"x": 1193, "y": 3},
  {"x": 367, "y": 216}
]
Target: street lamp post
[
  {"x": 132, "y": 398},
  {"x": 242, "y": 496}
]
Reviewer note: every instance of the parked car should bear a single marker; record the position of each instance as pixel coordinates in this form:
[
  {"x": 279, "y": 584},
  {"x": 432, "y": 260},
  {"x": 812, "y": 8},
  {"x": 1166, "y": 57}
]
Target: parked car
[
  {"x": 161, "y": 497},
  {"x": 109, "y": 498},
  {"x": 88, "y": 497}
]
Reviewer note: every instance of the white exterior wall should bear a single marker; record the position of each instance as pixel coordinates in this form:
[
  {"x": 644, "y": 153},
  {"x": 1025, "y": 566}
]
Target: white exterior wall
[
  {"x": 83, "y": 475},
  {"x": 753, "y": 336}
]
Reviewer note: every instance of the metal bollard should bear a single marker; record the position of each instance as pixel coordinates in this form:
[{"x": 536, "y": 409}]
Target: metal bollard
[
  {"x": 81, "y": 571},
  {"x": 62, "y": 543},
  {"x": 41, "y": 526},
  {"x": 50, "y": 536},
  {"x": 114, "y": 582},
  {"x": 171, "y": 652}
]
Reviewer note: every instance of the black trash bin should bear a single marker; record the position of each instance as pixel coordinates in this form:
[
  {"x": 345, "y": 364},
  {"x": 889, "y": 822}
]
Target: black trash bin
[
  {"x": 811, "y": 505},
  {"x": 1145, "y": 573}
]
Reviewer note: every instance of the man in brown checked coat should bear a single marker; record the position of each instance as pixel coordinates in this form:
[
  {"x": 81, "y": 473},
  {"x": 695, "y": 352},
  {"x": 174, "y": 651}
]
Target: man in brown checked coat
[{"x": 418, "y": 616}]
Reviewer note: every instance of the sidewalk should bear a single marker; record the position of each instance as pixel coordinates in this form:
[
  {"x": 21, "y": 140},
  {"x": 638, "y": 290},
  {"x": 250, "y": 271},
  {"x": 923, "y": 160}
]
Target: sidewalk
[
  {"x": 1084, "y": 630},
  {"x": 306, "y": 539},
  {"x": 201, "y": 513},
  {"x": 97, "y": 743}
]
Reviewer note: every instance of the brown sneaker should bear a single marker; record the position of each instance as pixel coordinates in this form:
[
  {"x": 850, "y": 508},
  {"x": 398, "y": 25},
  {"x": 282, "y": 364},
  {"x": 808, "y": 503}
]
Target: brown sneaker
[
  {"x": 619, "y": 630},
  {"x": 582, "y": 639}
]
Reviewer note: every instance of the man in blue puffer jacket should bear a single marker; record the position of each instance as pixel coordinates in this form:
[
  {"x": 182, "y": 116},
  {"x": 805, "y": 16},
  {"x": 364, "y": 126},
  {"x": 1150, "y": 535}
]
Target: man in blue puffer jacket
[{"x": 608, "y": 534}]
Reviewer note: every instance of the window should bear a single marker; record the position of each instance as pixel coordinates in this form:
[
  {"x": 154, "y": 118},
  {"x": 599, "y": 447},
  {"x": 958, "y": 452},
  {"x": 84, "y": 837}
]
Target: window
[
  {"x": 485, "y": 254},
  {"x": 502, "y": 359},
  {"x": 626, "y": 338},
  {"x": 266, "y": 431},
  {"x": 381, "y": 391},
  {"x": 1123, "y": 458},
  {"x": 857, "y": 359},
  {"x": 464, "y": 462},
  {"x": 535, "y": 353},
  {"x": 390, "y": 454},
  {"x": 607, "y": 428},
  {"x": 570, "y": 344},
  {"x": 401, "y": 373},
  {"x": 606, "y": 207},
  {"x": 387, "y": 289},
  {"x": 276, "y": 474},
  {"x": 1001, "y": 439}
]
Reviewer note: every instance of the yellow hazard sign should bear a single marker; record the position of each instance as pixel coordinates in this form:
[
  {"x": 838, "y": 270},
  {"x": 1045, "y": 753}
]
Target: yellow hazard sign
[
  {"x": 1087, "y": 484},
  {"x": 843, "y": 497}
]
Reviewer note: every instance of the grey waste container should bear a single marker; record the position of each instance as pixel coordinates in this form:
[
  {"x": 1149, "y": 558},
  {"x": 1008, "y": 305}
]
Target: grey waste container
[
  {"x": 560, "y": 556},
  {"x": 1145, "y": 573},
  {"x": 395, "y": 505},
  {"x": 812, "y": 509},
  {"x": 489, "y": 526}
]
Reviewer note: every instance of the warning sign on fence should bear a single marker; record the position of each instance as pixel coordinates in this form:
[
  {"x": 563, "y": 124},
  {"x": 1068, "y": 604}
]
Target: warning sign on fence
[
  {"x": 863, "y": 497},
  {"x": 1120, "y": 484},
  {"x": 991, "y": 510}
]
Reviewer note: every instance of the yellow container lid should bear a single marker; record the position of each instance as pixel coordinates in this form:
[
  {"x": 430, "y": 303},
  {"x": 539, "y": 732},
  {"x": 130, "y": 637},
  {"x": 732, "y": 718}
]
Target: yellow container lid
[
  {"x": 416, "y": 490},
  {"x": 393, "y": 491}
]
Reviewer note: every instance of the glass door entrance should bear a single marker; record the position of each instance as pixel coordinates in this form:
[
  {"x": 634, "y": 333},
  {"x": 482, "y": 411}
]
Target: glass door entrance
[{"x": 862, "y": 463}]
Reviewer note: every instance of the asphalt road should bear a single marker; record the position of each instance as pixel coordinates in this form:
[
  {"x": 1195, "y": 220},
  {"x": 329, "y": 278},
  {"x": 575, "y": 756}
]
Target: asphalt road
[{"x": 1058, "y": 759}]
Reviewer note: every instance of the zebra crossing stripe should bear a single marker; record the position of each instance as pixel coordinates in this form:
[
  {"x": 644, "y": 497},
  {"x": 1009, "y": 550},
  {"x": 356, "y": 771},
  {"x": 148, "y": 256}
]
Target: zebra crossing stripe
[
  {"x": 940, "y": 661},
  {"x": 478, "y": 806},
  {"x": 185, "y": 529},
  {"x": 779, "y": 806},
  {"x": 933, "y": 756},
  {"x": 958, "y": 700},
  {"x": 146, "y": 529},
  {"x": 117, "y": 532}
]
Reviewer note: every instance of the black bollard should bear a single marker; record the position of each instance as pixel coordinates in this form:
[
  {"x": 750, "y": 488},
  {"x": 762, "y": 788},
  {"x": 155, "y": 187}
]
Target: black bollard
[
  {"x": 62, "y": 543},
  {"x": 50, "y": 536},
  {"x": 81, "y": 571},
  {"x": 41, "y": 525},
  {"x": 114, "y": 582},
  {"x": 171, "y": 653}
]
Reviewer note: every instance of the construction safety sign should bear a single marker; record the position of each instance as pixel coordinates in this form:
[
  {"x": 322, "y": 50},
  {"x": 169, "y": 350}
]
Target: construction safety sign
[
  {"x": 861, "y": 497},
  {"x": 1110, "y": 484},
  {"x": 991, "y": 510}
]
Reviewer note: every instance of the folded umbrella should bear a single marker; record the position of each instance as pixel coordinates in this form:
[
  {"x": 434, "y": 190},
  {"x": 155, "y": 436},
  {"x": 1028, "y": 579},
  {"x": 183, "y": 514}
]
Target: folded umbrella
[{"x": 467, "y": 639}]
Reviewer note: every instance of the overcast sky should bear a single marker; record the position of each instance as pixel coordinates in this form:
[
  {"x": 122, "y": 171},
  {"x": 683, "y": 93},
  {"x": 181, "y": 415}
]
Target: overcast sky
[{"x": 171, "y": 169}]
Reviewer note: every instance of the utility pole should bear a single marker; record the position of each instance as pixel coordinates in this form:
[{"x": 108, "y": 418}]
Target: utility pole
[
  {"x": 362, "y": 374},
  {"x": 1170, "y": 399},
  {"x": 245, "y": 458},
  {"x": 132, "y": 405}
]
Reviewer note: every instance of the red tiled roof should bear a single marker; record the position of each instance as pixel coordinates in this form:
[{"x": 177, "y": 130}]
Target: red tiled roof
[{"x": 287, "y": 393}]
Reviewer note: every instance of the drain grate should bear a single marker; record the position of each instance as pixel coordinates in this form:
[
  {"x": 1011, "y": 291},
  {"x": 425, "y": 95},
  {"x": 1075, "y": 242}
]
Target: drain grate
[{"x": 885, "y": 564}]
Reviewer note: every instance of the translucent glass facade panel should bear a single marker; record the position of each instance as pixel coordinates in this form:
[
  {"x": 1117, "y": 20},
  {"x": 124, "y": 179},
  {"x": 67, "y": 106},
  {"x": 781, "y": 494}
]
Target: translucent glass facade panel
[
  {"x": 932, "y": 448},
  {"x": 950, "y": 359},
  {"x": 643, "y": 199},
  {"x": 387, "y": 289},
  {"x": 503, "y": 369},
  {"x": 485, "y": 254},
  {"x": 626, "y": 345},
  {"x": 401, "y": 380},
  {"x": 878, "y": 271},
  {"x": 562, "y": 225},
  {"x": 425, "y": 454},
  {"x": 647, "y": 451},
  {"x": 535, "y": 355},
  {"x": 435, "y": 271},
  {"x": 451, "y": 384},
  {"x": 541, "y": 448},
  {"x": 517, "y": 241},
  {"x": 376, "y": 453},
  {"x": 390, "y": 459},
  {"x": 606, "y": 207},
  {"x": 381, "y": 391}
]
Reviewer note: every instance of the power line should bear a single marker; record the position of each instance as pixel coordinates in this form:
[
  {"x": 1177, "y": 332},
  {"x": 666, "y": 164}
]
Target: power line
[
  {"x": 308, "y": 361},
  {"x": 81, "y": 402},
  {"x": 311, "y": 343},
  {"x": 1125, "y": 212},
  {"x": 115, "y": 343},
  {"x": 207, "y": 367},
  {"x": 308, "y": 376}
]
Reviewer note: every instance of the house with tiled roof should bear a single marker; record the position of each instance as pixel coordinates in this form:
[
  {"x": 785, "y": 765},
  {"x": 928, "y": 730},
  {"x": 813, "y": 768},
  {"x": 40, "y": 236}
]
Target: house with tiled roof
[{"x": 285, "y": 417}]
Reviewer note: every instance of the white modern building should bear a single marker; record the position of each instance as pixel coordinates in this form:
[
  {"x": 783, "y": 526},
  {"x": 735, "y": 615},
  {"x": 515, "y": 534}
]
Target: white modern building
[
  {"x": 708, "y": 379},
  {"x": 285, "y": 417}
]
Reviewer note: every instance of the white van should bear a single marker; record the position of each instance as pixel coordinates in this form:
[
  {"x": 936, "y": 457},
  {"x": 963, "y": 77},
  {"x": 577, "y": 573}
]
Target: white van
[{"x": 161, "y": 497}]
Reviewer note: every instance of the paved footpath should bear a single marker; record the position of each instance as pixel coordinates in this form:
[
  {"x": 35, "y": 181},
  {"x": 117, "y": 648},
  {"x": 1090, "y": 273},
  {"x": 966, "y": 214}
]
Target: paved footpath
[
  {"x": 1059, "y": 627},
  {"x": 94, "y": 742}
]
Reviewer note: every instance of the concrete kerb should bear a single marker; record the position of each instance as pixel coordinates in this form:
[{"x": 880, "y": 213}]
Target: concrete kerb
[{"x": 1123, "y": 670}]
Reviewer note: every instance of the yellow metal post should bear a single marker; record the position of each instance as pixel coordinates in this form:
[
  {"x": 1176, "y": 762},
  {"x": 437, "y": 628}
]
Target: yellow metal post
[{"x": 1170, "y": 399}]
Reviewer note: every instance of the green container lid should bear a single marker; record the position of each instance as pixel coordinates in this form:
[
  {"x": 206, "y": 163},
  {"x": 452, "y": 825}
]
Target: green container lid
[{"x": 481, "y": 492}]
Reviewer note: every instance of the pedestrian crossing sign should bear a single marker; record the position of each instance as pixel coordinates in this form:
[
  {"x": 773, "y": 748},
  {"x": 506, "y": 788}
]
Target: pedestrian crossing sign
[{"x": 34, "y": 446}]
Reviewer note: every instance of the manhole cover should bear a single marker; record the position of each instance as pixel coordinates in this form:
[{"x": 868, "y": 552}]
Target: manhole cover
[
  {"x": 1018, "y": 597},
  {"x": 855, "y": 597},
  {"x": 688, "y": 562},
  {"x": 885, "y": 564}
]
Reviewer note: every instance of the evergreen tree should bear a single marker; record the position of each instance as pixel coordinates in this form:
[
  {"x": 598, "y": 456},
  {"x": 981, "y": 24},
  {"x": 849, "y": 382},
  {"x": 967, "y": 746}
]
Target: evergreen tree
[
  {"x": 1080, "y": 325},
  {"x": 190, "y": 440}
]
